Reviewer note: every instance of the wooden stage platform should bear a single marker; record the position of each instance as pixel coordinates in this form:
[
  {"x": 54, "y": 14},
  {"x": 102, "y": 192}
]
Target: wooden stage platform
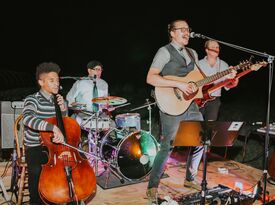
[{"x": 173, "y": 185}]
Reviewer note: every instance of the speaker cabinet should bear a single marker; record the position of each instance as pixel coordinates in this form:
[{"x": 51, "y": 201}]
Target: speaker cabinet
[{"x": 9, "y": 112}]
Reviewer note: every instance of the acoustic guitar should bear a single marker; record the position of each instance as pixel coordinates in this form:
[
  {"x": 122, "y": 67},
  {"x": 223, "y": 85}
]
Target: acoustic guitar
[{"x": 173, "y": 101}]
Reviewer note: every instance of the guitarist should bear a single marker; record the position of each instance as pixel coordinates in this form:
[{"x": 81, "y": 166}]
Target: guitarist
[
  {"x": 210, "y": 65},
  {"x": 177, "y": 60}
]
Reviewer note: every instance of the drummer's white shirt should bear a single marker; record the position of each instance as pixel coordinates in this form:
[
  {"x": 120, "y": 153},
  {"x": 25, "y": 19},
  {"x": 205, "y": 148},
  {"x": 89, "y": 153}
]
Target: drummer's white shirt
[{"x": 82, "y": 92}]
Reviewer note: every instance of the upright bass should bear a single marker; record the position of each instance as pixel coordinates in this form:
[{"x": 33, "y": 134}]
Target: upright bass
[{"x": 67, "y": 176}]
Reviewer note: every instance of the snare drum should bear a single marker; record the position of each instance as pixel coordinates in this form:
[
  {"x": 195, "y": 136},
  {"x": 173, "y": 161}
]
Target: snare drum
[
  {"x": 102, "y": 123},
  {"x": 128, "y": 120}
]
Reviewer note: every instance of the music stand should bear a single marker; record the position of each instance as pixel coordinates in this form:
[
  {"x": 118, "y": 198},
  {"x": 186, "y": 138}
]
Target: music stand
[{"x": 206, "y": 133}]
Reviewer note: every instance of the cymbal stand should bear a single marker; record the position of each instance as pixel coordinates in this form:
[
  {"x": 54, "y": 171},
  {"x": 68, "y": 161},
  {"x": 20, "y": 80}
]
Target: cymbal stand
[
  {"x": 149, "y": 107},
  {"x": 96, "y": 148},
  {"x": 93, "y": 140}
]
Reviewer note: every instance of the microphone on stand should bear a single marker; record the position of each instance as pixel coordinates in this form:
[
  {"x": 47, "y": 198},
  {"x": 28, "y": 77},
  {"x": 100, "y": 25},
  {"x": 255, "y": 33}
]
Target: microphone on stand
[
  {"x": 196, "y": 35},
  {"x": 94, "y": 79}
]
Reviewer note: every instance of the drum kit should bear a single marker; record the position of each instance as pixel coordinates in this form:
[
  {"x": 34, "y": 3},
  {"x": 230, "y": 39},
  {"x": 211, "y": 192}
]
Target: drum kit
[{"x": 120, "y": 145}]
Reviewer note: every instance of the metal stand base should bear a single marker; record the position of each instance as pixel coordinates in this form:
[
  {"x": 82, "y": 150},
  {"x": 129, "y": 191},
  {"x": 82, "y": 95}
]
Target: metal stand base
[{"x": 2, "y": 186}]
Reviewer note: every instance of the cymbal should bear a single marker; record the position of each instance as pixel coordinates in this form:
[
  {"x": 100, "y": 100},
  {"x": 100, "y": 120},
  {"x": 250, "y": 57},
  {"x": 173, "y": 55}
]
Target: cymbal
[{"x": 110, "y": 100}]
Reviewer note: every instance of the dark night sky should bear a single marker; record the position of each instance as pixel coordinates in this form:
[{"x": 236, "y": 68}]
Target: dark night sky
[{"x": 125, "y": 36}]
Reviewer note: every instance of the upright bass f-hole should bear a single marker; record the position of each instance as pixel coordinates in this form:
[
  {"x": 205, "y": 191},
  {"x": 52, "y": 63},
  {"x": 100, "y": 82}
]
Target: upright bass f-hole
[{"x": 61, "y": 179}]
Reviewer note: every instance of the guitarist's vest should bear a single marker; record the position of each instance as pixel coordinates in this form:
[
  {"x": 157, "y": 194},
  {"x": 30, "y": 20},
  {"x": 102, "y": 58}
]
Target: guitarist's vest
[{"x": 177, "y": 65}]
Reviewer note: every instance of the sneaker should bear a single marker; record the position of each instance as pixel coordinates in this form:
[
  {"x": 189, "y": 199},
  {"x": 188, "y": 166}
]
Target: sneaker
[
  {"x": 192, "y": 184},
  {"x": 152, "y": 195}
]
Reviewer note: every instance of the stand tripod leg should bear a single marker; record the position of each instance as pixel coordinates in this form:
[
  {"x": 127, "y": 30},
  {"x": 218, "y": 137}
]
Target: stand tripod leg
[
  {"x": 6, "y": 196},
  {"x": 93, "y": 148},
  {"x": 204, "y": 182},
  {"x": 118, "y": 176},
  {"x": 107, "y": 178},
  {"x": 110, "y": 171}
]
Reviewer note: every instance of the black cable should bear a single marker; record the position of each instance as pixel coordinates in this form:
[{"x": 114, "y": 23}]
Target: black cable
[
  {"x": 8, "y": 202},
  {"x": 6, "y": 169},
  {"x": 254, "y": 159},
  {"x": 230, "y": 164}
]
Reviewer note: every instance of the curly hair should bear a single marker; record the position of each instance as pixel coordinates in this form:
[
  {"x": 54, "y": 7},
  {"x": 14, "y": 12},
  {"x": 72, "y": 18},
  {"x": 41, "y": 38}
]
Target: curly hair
[{"x": 46, "y": 67}]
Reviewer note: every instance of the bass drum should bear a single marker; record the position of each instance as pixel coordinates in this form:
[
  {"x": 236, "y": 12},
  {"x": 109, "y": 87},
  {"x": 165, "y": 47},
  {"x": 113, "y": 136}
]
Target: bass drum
[{"x": 131, "y": 154}]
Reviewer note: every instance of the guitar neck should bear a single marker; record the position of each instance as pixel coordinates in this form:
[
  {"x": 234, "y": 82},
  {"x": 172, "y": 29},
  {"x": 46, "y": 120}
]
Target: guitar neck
[
  {"x": 219, "y": 75},
  {"x": 225, "y": 82}
]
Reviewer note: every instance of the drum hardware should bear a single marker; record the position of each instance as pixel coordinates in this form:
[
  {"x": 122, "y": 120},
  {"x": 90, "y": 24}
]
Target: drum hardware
[
  {"x": 94, "y": 145},
  {"x": 126, "y": 153},
  {"x": 148, "y": 104},
  {"x": 93, "y": 136},
  {"x": 96, "y": 123}
]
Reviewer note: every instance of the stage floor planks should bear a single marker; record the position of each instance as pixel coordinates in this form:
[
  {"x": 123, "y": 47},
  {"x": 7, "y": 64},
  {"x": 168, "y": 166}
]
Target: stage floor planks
[{"x": 173, "y": 185}]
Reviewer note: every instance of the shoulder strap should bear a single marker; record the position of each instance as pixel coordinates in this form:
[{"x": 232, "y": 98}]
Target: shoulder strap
[{"x": 192, "y": 56}]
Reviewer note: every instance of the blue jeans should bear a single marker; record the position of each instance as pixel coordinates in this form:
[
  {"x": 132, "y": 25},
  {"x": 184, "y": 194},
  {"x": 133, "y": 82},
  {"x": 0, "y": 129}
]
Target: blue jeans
[{"x": 169, "y": 128}]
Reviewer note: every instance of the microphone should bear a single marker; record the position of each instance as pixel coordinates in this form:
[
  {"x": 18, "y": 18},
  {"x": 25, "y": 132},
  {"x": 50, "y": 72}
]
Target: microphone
[
  {"x": 195, "y": 35},
  {"x": 94, "y": 78}
]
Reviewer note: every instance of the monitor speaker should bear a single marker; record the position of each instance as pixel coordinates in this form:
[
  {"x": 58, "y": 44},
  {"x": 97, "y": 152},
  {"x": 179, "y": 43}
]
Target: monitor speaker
[{"x": 9, "y": 112}]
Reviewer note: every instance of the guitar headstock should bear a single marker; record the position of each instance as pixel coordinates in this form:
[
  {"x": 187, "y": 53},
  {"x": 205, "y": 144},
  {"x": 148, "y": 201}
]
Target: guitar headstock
[
  {"x": 258, "y": 65},
  {"x": 244, "y": 64}
]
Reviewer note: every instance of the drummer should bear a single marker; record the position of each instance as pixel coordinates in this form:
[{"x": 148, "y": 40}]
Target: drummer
[{"x": 82, "y": 92}]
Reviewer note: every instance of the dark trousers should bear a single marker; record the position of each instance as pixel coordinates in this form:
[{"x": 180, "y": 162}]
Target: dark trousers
[
  {"x": 210, "y": 110},
  {"x": 35, "y": 157}
]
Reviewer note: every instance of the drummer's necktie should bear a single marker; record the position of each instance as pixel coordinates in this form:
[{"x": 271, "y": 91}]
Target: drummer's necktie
[{"x": 95, "y": 95}]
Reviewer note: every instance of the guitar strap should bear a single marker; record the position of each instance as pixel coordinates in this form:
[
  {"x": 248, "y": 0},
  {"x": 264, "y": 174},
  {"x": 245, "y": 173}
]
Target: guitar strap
[{"x": 189, "y": 52}]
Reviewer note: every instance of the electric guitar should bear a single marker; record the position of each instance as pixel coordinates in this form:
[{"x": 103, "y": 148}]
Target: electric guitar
[
  {"x": 210, "y": 88},
  {"x": 173, "y": 101}
]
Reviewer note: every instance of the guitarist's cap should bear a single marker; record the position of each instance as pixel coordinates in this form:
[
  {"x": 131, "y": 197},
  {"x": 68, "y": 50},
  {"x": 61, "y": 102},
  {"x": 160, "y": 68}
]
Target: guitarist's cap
[{"x": 93, "y": 64}]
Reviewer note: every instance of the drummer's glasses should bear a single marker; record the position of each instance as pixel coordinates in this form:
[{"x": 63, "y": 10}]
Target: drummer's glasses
[{"x": 98, "y": 69}]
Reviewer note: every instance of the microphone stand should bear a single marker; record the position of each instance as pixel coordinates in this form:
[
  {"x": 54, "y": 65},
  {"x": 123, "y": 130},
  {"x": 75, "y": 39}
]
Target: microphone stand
[
  {"x": 270, "y": 60},
  {"x": 76, "y": 78}
]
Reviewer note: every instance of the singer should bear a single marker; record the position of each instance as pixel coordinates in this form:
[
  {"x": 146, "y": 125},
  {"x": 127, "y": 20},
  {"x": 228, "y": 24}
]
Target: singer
[
  {"x": 38, "y": 107},
  {"x": 174, "y": 59}
]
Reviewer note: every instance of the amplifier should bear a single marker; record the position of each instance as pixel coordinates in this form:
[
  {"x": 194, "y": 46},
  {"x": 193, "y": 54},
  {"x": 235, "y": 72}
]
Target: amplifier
[
  {"x": 9, "y": 112},
  {"x": 17, "y": 104},
  {"x": 217, "y": 195}
]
